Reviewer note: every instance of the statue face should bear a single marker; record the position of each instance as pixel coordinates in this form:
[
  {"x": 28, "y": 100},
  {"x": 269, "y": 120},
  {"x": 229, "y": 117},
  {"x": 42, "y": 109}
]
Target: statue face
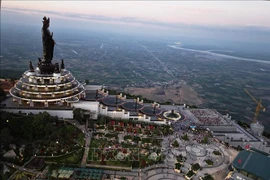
[{"x": 46, "y": 22}]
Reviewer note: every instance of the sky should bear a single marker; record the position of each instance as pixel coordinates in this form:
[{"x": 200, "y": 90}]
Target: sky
[{"x": 215, "y": 13}]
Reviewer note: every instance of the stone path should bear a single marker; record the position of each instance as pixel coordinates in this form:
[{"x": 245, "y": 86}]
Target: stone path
[
  {"x": 87, "y": 138},
  {"x": 86, "y": 148},
  {"x": 159, "y": 174}
]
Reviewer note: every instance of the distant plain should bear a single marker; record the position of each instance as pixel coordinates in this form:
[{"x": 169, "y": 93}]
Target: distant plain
[{"x": 149, "y": 66}]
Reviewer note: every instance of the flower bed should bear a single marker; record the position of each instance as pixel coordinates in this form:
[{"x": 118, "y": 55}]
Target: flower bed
[
  {"x": 195, "y": 167},
  {"x": 207, "y": 177},
  {"x": 189, "y": 174},
  {"x": 217, "y": 153},
  {"x": 209, "y": 162}
]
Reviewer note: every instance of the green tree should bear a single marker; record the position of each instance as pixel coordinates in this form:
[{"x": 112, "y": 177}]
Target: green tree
[
  {"x": 185, "y": 137},
  {"x": 77, "y": 114},
  {"x": 2, "y": 92},
  {"x": 205, "y": 140},
  {"x": 27, "y": 129},
  {"x": 5, "y": 136},
  {"x": 175, "y": 144}
]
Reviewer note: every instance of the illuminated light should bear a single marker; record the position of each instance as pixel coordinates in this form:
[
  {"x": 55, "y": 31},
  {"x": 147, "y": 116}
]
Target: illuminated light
[{"x": 7, "y": 120}]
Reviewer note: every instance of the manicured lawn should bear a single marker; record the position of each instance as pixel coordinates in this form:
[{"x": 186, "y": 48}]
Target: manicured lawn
[
  {"x": 73, "y": 158},
  {"x": 80, "y": 139}
]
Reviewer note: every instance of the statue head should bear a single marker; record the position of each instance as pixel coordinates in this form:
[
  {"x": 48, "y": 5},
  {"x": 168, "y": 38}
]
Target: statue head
[{"x": 46, "y": 22}]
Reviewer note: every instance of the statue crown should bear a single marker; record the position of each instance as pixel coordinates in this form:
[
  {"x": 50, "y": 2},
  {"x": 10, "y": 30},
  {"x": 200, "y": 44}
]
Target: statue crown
[{"x": 46, "y": 20}]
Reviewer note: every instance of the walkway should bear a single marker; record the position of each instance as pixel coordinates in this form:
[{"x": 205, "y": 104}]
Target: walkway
[{"x": 88, "y": 136}]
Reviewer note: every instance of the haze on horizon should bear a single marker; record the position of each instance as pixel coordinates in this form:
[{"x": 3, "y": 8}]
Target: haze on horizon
[
  {"x": 207, "y": 22},
  {"x": 217, "y": 13}
]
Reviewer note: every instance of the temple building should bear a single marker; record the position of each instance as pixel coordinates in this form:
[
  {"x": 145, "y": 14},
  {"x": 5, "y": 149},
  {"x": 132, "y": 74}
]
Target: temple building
[
  {"x": 47, "y": 84},
  {"x": 50, "y": 87}
]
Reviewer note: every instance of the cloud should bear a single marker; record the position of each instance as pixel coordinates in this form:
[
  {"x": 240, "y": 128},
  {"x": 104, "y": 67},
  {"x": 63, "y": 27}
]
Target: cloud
[
  {"x": 199, "y": 10},
  {"x": 151, "y": 22}
]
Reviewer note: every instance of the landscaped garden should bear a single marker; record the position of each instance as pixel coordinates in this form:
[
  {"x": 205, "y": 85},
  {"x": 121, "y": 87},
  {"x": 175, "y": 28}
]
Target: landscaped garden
[
  {"x": 23, "y": 175},
  {"x": 121, "y": 125},
  {"x": 73, "y": 158},
  {"x": 133, "y": 150},
  {"x": 39, "y": 135}
]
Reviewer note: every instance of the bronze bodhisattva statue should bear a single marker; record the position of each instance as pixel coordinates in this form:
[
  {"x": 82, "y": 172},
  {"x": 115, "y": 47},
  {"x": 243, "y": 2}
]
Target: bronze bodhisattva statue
[{"x": 47, "y": 39}]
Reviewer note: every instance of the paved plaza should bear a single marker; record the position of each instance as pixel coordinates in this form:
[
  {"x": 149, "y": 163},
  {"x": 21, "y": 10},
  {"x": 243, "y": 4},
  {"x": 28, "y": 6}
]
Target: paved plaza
[{"x": 195, "y": 153}]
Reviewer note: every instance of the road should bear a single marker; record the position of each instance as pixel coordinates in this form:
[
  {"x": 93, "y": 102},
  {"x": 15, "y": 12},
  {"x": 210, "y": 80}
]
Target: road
[{"x": 165, "y": 68}]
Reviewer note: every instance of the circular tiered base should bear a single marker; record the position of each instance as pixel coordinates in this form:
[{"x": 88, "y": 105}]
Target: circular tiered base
[{"x": 35, "y": 89}]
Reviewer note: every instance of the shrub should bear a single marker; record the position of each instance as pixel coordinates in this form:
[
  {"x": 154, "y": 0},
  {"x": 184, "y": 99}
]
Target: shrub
[
  {"x": 195, "y": 167},
  {"x": 190, "y": 173},
  {"x": 216, "y": 153},
  {"x": 209, "y": 162},
  {"x": 175, "y": 144}
]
